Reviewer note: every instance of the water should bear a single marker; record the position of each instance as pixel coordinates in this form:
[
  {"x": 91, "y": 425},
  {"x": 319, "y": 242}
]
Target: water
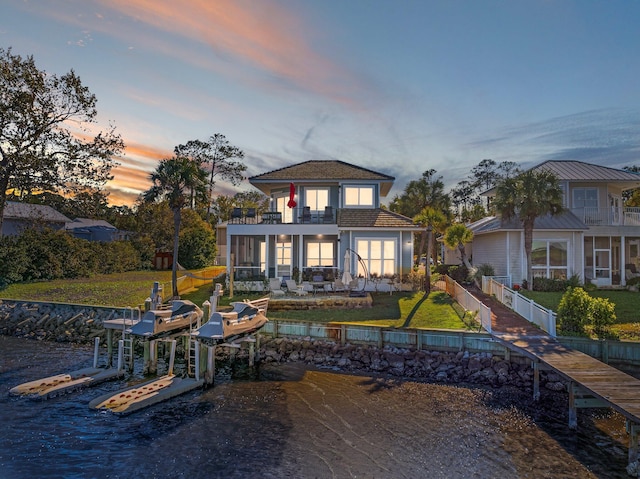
[{"x": 293, "y": 422}]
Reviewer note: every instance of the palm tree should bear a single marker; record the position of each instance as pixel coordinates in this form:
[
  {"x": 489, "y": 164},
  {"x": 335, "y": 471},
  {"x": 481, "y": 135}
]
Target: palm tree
[
  {"x": 455, "y": 237},
  {"x": 428, "y": 218},
  {"x": 527, "y": 196},
  {"x": 173, "y": 180}
]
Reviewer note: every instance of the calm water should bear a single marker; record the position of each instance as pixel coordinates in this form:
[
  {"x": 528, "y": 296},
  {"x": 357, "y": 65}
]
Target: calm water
[{"x": 290, "y": 421}]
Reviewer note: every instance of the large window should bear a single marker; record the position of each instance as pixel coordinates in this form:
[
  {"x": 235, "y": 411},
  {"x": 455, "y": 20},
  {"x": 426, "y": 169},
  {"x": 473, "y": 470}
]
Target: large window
[
  {"x": 585, "y": 197},
  {"x": 281, "y": 206},
  {"x": 320, "y": 253},
  {"x": 358, "y": 196},
  {"x": 316, "y": 199},
  {"x": 549, "y": 259},
  {"x": 378, "y": 255}
]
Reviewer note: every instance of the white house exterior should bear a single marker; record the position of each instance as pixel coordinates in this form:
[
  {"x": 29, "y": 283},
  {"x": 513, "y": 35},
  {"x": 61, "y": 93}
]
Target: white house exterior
[
  {"x": 337, "y": 211},
  {"x": 595, "y": 238}
]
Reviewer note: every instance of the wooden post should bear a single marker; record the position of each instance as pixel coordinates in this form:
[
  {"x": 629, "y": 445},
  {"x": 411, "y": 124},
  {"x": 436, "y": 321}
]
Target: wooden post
[
  {"x": 634, "y": 430},
  {"x": 252, "y": 348},
  {"x": 536, "y": 381},
  {"x": 210, "y": 372},
  {"x": 231, "y": 273},
  {"x": 153, "y": 357},
  {"x": 258, "y": 336},
  {"x": 172, "y": 357},
  {"x": 343, "y": 334},
  {"x": 604, "y": 346},
  {"x": 146, "y": 355},
  {"x": 573, "y": 413},
  {"x": 109, "y": 347}
]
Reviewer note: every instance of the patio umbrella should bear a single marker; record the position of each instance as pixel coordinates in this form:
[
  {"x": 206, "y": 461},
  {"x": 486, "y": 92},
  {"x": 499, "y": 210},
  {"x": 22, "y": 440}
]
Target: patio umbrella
[
  {"x": 292, "y": 193},
  {"x": 346, "y": 275}
]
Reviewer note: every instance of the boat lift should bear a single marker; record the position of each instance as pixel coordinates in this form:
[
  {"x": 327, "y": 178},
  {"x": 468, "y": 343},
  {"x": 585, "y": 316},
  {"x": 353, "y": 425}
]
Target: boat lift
[
  {"x": 63, "y": 383},
  {"x": 200, "y": 366}
]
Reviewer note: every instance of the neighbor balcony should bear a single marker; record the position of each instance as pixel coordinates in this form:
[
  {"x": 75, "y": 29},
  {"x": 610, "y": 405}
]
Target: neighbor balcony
[{"x": 608, "y": 216}]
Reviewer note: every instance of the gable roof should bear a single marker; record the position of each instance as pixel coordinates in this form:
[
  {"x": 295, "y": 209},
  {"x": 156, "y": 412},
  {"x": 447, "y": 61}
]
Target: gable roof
[
  {"x": 17, "y": 211},
  {"x": 373, "y": 218},
  {"x": 569, "y": 170},
  {"x": 564, "y": 221},
  {"x": 324, "y": 170}
]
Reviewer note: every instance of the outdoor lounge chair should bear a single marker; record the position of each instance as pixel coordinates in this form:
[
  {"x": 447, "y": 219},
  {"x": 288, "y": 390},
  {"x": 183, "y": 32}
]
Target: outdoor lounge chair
[
  {"x": 275, "y": 287},
  {"x": 293, "y": 288}
]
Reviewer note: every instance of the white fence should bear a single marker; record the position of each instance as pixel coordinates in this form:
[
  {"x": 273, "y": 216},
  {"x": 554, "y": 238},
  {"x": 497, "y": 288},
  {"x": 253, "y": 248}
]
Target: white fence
[
  {"x": 469, "y": 302},
  {"x": 525, "y": 307}
]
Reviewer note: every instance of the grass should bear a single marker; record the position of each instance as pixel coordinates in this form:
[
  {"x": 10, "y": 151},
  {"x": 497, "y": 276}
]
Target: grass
[
  {"x": 119, "y": 289},
  {"x": 399, "y": 310},
  {"x": 627, "y": 308}
]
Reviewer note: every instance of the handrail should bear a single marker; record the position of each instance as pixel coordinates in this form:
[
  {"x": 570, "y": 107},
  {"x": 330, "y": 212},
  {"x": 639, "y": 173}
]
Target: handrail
[
  {"x": 525, "y": 307},
  {"x": 469, "y": 302}
]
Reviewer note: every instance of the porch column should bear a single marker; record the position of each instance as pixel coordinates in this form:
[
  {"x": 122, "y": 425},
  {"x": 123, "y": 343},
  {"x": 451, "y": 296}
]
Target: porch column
[
  {"x": 267, "y": 255},
  {"x": 300, "y": 255},
  {"x": 623, "y": 262}
]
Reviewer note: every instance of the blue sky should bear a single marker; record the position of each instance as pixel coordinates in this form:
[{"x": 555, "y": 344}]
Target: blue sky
[{"x": 399, "y": 87}]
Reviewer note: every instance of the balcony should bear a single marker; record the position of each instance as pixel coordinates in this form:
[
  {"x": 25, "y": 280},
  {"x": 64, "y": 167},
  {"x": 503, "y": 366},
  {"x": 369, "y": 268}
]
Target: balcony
[
  {"x": 299, "y": 215},
  {"x": 610, "y": 216}
]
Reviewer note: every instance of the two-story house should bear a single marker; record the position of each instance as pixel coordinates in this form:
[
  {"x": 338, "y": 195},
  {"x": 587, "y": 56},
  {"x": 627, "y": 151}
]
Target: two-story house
[
  {"x": 596, "y": 238},
  {"x": 320, "y": 212}
]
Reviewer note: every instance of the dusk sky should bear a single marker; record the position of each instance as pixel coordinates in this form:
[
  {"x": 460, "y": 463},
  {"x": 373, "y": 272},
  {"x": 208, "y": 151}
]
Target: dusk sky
[{"x": 399, "y": 87}]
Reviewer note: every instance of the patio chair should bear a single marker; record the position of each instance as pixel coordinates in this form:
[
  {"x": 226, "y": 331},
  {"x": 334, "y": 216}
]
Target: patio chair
[
  {"x": 236, "y": 215},
  {"x": 630, "y": 271},
  {"x": 338, "y": 286},
  {"x": 306, "y": 215},
  {"x": 275, "y": 287},
  {"x": 328, "y": 214},
  {"x": 293, "y": 288}
]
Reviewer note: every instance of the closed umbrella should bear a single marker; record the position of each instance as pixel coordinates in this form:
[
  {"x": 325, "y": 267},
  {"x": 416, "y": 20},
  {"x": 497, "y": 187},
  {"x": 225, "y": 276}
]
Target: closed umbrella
[{"x": 346, "y": 275}]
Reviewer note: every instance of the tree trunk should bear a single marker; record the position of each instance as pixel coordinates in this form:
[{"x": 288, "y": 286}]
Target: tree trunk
[
  {"x": 427, "y": 266},
  {"x": 174, "y": 266},
  {"x": 528, "y": 244}
]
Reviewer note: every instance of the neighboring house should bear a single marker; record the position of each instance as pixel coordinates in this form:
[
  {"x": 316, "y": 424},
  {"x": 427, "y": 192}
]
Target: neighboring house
[
  {"x": 596, "y": 237},
  {"x": 337, "y": 210},
  {"x": 95, "y": 230},
  {"x": 18, "y": 217}
]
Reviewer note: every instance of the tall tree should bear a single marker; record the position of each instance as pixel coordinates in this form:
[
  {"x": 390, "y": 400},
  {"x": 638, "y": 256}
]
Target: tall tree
[
  {"x": 174, "y": 179},
  {"x": 429, "y": 218},
  {"x": 526, "y": 197},
  {"x": 219, "y": 158},
  {"x": 46, "y": 143}
]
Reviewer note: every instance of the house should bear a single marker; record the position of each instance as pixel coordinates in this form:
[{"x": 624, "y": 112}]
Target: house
[
  {"x": 319, "y": 212},
  {"x": 595, "y": 238},
  {"x": 95, "y": 230},
  {"x": 18, "y": 217}
]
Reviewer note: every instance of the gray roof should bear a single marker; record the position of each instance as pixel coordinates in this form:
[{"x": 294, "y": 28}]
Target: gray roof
[
  {"x": 564, "y": 221},
  {"x": 323, "y": 170},
  {"x": 579, "y": 171},
  {"x": 373, "y": 218},
  {"x": 15, "y": 210},
  {"x": 88, "y": 223}
]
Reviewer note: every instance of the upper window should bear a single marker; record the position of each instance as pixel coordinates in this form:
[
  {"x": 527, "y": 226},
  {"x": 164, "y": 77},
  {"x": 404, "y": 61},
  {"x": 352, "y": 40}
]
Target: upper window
[
  {"x": 358, "y": 196},
  {"x": 585, "y": 197},
  {"x": 316, "y": 199}
]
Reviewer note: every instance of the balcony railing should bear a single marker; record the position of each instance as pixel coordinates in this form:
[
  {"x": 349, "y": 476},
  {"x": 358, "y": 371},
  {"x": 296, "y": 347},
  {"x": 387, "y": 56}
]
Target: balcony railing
[
  {"x": 298, "y": 215},
  {"x": 610, "y": 216}
]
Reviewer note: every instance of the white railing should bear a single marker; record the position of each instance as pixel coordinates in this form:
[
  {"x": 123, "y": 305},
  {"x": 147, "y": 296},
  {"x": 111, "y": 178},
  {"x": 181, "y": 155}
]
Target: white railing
[
  {"x": 469, "y": 302},
  {"x": 525, "y": 307},
  {"x": 610, "y": 216}
]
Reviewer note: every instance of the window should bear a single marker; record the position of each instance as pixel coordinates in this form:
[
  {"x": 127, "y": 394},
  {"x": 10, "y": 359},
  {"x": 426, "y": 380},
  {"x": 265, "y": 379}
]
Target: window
[
  {"x": 378, "y": 255},
  {"x": 281, "y": 206},
  {"x": 549, "y": 259},
  {"x": 320, "y": 253},
  {"x": 585, "y": 197},
  {"x": 316, "y": 199},
  {"x": 283, "y": 258},
  {"x": 358, "y": 196}
]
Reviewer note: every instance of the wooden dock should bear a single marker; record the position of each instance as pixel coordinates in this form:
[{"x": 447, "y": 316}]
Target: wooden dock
[{"x": 591, "y": 383}]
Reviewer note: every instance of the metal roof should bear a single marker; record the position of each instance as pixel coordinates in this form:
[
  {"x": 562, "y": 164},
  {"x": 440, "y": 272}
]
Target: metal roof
[
  {"x": 570, "y": 170},
  {"x": 564, "y": 221},
  {"x": 16, "y": 210}
]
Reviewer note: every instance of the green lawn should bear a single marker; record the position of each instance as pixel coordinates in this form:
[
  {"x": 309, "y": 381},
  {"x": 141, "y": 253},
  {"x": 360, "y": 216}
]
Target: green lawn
[
  {"x": 131, "y": 289},
  {"x": 627, "y": 308}
]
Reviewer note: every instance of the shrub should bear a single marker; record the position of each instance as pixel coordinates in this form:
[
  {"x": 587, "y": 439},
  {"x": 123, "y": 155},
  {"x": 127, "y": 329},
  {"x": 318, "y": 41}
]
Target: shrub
[
  {"x": 578, "y": 310},
  {"x": 574, "y": 310},
  {"x": 484, "y": 270},
  {"x": 459, "y": 273}
]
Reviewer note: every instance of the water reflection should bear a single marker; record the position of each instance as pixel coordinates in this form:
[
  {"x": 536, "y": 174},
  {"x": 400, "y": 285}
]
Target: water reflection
[{"x": 291, "y": 421}]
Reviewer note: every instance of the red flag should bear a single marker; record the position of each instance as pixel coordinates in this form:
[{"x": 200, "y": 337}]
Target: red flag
[{"x": 292, "y": 193}]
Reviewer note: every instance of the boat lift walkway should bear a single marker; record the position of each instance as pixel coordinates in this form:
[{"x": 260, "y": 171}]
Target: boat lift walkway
[{"x": 592, "y": 383}]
